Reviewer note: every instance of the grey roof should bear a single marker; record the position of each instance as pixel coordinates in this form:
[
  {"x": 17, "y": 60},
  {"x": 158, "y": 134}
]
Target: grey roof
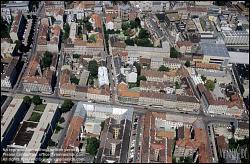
[{"x": 213, "y": 49}]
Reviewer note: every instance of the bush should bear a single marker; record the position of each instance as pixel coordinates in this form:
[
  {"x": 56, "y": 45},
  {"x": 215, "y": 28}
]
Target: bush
[
  {"x": 174, "y": 53},
  {"x": 125, "y": 26},
  {"x": 37, "y": 100},
  {"x": 210, "y": 85},
  {"x": 203, "y": 78},
  {"x": 130, "y": 42},
  {"x": 27, "y": 100},
  {"x": 74, "y": 80},
  {"x": 187, "y": 64},
  {"x": 92, "y": 145},
  {"x": 177, "y": 85},
  {"x": 76, "y": 56},
  {"x": 66, "y": 106},
  {"x": 62, "y": 120},
  {"x": 93, "y": 68},
  {"x": 163, "y": 68},
  {"x": 47, "y": 59}
]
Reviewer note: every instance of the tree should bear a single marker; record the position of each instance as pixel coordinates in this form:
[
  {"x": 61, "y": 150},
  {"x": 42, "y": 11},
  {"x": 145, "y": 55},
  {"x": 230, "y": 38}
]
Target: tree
[
  {"x": 133, "y": 24},
  {"x": 102, "y": 125},
  {"x": 130, "y": 42},
  {"x": 210, "y": 85},
  {"x": 163, "y": 68},
  {"x": 177, "y": 85},
  {"x": 37, "y": 100},
  {"x": 92, "y": 38},
  {"x": 188, "y": 160},
  {"x": 187, "y": 64},
  {"x": 74, "y": 80},
  {"x": 66, "y": 106},
  {"x": 93, "y": 68},
  {"x": 88, "y": 26},
  {"x": 138, "y": 22},
  {"x": 125, "y": 26},
  {"x": 66, "y": 29},
  {"x": 92, "y": 145},
  {"x": 139, "y": 78},
  {"x": 143, "y": 34},
  {"x": 138, "y": 68},
  {"x": 203, "y": 78},
  {"x": 215, "y": 81},
  {"x": 61, "y": 120},
  {"x": 145, "y": 42},
  {"x": 173, "y": 53},
  {"x": 91, "y": 81},
  {"x": 27, "y": 100},
  {"x": 76, "y": 56},
  {"x": 47, "y": 59},
  {"x": 4, "y": 28}
]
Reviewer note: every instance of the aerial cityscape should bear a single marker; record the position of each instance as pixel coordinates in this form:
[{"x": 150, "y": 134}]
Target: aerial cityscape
[{"x": 125, "y": 81}]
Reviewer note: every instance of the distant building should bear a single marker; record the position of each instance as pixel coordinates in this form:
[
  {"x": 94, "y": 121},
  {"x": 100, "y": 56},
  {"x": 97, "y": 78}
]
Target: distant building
[
  {"x": 9, "y": 72},
  {"x": 242, "y": 130},
  {"x": 235, "y": 37},
  {"x": 18, "y": 6},
  {"x": 103, "y": 76}
]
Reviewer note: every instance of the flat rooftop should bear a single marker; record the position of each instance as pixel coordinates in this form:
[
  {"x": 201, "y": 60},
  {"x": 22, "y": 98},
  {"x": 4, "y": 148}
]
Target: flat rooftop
[{"x": 213, "y": 49}]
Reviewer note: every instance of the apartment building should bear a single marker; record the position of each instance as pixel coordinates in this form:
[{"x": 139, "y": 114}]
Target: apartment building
[
  {"x": 242, "y": 130},
  {"x": 161, "y": 76},
  {"x": 235, "y": 37},
  {"x": 17, "y": 6},
  {"x": 156, "y": 62},
  {"x": 9, "y": 71},
  {"x": 10, "y": 121},
  {"x": 184, "y": 46},
  {"x": 36, "y": 81},
  {"x": 127, "y": 96},
  {"x": 18, "y": 27},
  {"x": 102, "y": 94},
  {"x": 166, "y": 87},
  {"x": 34, "y": 136}
]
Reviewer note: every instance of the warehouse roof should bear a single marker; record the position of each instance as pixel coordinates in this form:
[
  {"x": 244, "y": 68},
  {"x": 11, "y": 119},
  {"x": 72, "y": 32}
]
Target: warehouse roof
[{"x": 213, "y": 49}]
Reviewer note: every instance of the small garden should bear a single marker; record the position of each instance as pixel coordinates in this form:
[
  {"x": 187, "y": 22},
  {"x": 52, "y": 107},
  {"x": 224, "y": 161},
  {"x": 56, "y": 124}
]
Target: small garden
[{"x": 35, "y": 117}]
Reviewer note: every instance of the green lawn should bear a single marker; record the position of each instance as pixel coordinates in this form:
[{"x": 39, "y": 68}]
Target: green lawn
[
  {"x": 35, "y": 117},
  {"x": 40, "y": 107}
]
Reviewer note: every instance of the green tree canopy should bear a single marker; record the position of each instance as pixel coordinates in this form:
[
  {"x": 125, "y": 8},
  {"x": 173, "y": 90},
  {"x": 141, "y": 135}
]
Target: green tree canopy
[
  {"x": 138, "y": 68},
  {"x": 37, "y": 100},
  {"x": 102, "y": 125},
  {"x": 76, "y": 56},
  {"x": 139, "y": 78},
  {"x": 138, "y": 22},
  {"x": 163, "y": 68},
  {"x": 125, "y": 26},
  {"x": 143, "y": 34},
  {"x": 210, "y": 85},
  {"x": 47, "y": 59},
  {"x": 130, "y": 42},
  {"x": 145, "y": 42},
  {"x": 173, "y": 53},
  {"x": 177, "y": 85},
  {"x": 93, "y": 68},
  {"x": 92, "y": 38},
  {"x": 133, "y": 24},
  {"x": 92, "y": 145},
  {"x": 66, "y": 106},
  {"x": 89, "y": 26},
  {"x": 203, "y": 78},
  {"x": 27, "y": 100},
  {"x": 187, "y": 64},
  {"x": 4, "y": 28},
  {"x": 74, "y": 80}
]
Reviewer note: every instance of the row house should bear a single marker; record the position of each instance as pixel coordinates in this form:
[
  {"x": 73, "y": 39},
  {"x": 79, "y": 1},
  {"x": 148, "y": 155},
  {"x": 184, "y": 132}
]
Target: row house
[
  {"x": 126, "y": 96},
  {"x": 9, "y": 72},
  {"x": 187, "y": 103},
  {"x": 102, "y": 94},
  {"x": 160, "y": 76},
  {"x": 18, "y": 27},
  {"x": 232, "y": 107},
  {"x": 184, "y": 46},
  {"x": 157, "y": 86}
]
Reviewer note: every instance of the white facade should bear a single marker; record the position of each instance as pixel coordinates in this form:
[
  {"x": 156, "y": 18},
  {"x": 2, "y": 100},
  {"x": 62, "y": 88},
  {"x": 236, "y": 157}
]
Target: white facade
[
  {"x": 103, "y": 76},
  {"x": 6, "y": 82},
  {"x": 131, "y": 77},
  {"x": 72, "y": 32},
  {"x": 235, "y": 37}
]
